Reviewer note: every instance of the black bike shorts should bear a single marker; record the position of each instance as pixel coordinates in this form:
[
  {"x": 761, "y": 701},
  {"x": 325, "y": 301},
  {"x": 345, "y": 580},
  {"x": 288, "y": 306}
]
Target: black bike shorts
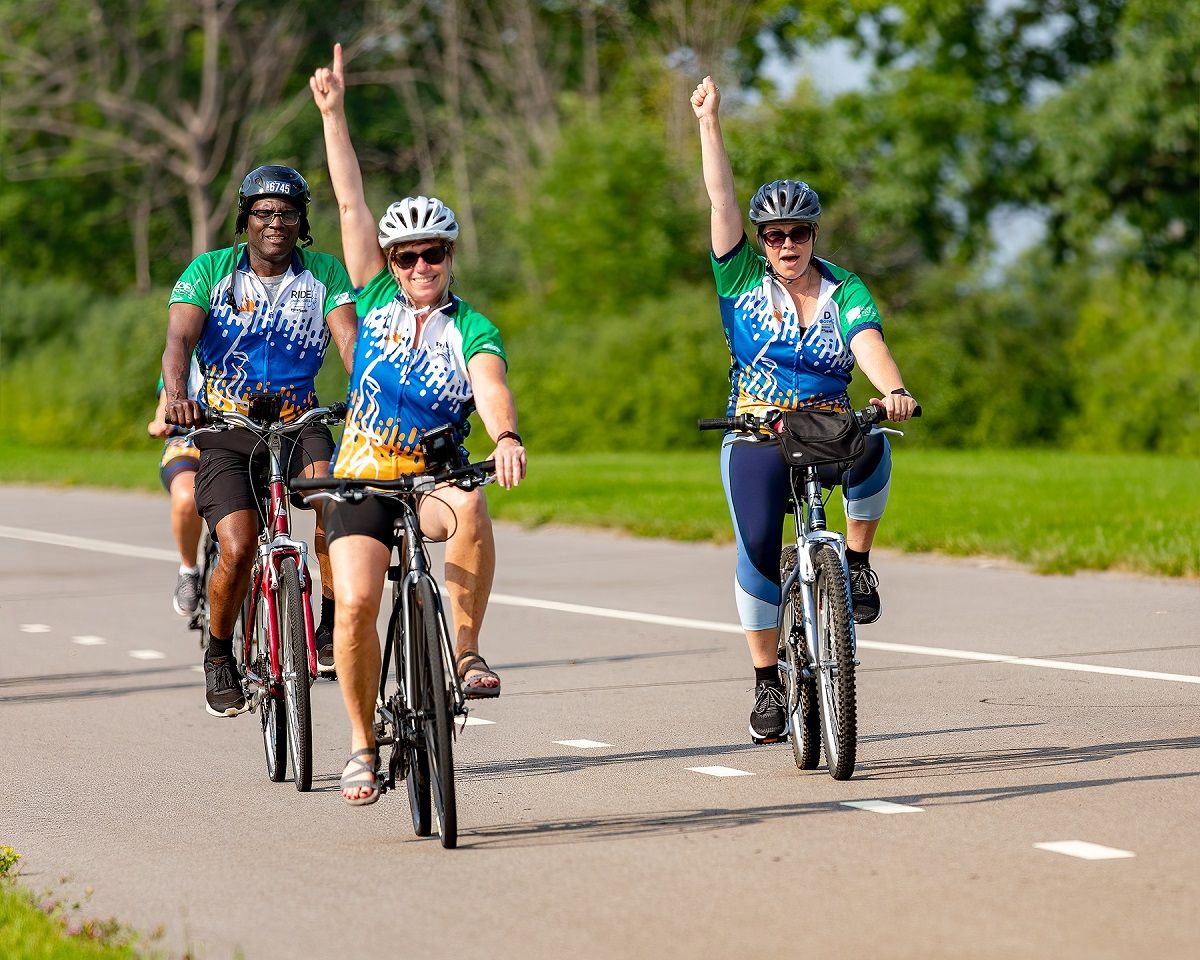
[
  {"x": 234, "y": 463},
  {"x": 374, "y": 517}
]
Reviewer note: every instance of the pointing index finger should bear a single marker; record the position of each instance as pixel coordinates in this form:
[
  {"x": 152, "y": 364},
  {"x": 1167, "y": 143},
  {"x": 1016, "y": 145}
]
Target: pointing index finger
[{"x": 337, "y": 60}]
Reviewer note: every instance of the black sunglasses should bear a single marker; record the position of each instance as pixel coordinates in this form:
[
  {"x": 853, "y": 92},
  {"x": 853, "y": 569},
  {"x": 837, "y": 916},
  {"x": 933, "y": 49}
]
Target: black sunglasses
[
  {"x": 289, "y": 217},
  {"x": 799, "y": 234},
  {"x": 431, "y": 255}
]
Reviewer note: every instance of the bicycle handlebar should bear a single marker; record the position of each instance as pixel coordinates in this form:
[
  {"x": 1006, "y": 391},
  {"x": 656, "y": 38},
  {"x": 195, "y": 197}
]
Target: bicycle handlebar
[
  {"x": 470, "y": 476},
  {"x": 214, "y": 421},
  {"x": 867, "y": 417}
]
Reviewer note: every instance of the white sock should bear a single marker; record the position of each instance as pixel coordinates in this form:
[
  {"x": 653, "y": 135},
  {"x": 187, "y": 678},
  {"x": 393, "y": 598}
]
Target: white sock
[{"x": 192, "y": 571}]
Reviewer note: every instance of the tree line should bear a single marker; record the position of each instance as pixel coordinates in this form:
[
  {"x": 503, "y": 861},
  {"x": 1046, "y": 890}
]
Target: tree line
[{"x": 561, "y": 135}]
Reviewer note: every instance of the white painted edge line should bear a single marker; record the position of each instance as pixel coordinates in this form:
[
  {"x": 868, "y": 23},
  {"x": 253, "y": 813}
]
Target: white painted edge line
[
  {"x": 583, "y": 744},
  {"x": 881, "y": 806},
  {"x": 721, "y": 771},
  {"x": 147, "y": 655},
  {"x": 1084, "y": 850},
  {"x": 87, "y": 641},
  {"x": 712, "y": 626},
  {"x": 35, "y": 628},
  {"x": 474, "y": 722},
  {"x": 85, "y": 543},
  {"x": 197, "y": 669}
]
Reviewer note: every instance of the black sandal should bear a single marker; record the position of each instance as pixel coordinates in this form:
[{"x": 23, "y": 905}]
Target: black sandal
[{"x": 474, "y": 689}]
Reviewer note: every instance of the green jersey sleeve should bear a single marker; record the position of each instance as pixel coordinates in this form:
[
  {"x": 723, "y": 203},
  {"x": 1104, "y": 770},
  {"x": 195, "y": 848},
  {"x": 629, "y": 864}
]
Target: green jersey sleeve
[
  {"x": 196, "y": 284},
  {"x": 377, "y": 292},
  {"x": 741, "y": 269},
  {"x": 857, "y": 310},
  {"x": 479, "y": 334}
]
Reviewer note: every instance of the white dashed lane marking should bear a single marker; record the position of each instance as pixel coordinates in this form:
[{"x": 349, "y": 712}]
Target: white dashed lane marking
[
  {"x": 87, "y": 641},
  {"x": 147, "y": 655},
  {"x": 1084, "y": 850},
  {"x": 35, "y": 628},
  {"x": 474, "y": 721},
  {"x": 881, "y": 806},
  {"x": 583, "y": 744},
  {"x": 721, "y": 772}
]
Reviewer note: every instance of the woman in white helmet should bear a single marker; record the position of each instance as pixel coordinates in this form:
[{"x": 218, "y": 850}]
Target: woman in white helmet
[{"x": 424, "y": 359}]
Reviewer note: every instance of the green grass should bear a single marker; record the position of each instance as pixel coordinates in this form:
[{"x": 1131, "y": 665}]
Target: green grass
[
  {"x": 1055, "y": 511},
  {"x": 49, "y": 928}
]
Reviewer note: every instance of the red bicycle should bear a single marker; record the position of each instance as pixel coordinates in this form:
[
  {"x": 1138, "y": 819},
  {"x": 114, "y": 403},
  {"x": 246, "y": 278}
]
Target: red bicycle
[{"x": 276, "y": 647}]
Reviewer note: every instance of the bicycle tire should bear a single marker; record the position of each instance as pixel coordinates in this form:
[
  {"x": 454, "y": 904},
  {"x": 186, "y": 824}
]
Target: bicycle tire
[
  {"x": 437, "y": 723},
  {"x": 801, "y": 692},
  {"x": 411, "y": 740},
  {"x": 835, "y": 673},
  {"x": 270, "y": 710},
  {"x": 293, "y": 655},
  {"x": 207, "y": 555}
]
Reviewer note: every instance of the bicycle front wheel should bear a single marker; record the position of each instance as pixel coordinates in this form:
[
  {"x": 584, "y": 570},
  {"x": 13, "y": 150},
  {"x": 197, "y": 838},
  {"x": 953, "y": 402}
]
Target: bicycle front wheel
[
  {"x": 437, "y": 694},
  {"x": 271, "y": 710},
  {"x": 412, "y": 740},
  {"x": 835, "y": 669},
  {"x": 207, "y": 556},
  {"x": 801, "y": 690},
  {"x": 293, "y": 655}
]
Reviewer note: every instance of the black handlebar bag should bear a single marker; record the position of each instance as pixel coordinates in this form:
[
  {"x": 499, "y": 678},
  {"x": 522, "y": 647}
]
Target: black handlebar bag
[{"x": 810, "y": 438}]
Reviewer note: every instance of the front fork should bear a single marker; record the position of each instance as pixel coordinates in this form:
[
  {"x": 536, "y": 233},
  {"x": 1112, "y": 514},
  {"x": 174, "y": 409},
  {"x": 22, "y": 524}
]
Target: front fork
[{"x": 805, "y": 572}]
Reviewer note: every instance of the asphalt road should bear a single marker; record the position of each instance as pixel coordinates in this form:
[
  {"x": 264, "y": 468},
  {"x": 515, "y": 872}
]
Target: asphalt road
[{"x": 1000, "y": 711}]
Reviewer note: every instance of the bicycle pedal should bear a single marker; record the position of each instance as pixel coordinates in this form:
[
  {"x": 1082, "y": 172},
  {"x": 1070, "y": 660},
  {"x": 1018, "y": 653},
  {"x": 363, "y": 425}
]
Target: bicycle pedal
[{"x": 761, "y": 741}]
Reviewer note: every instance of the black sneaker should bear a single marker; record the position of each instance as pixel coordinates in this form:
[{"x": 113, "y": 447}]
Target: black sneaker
[
  {"x": 223, "y": 688},
  {"x": 864, "y": 593},
  {"x": 187, "y": 594},
  {"x": 769, "y": 719},
  {"x": 324, "y": 642}
]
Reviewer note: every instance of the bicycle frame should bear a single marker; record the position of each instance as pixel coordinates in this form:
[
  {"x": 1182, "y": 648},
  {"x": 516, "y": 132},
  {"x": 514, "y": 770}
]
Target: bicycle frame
[
  {"x": 414, "y": 570},
  {"x": 275, "y": 545},
  {"x": 811, "y": 534}
]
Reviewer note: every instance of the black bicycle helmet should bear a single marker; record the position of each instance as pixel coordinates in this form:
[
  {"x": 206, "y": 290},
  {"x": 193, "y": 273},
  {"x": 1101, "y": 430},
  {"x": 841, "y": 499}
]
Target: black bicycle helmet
[
  {"x": 273, "y": 180},
  {"x": 785, "y": 200}
]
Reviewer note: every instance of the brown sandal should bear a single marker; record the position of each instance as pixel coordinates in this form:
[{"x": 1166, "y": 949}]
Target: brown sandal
[{"x": 475, "y": 689}]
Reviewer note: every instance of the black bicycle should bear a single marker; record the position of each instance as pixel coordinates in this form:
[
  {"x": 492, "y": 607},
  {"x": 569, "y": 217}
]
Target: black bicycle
[
  {"x": 816, "y": 624},
  {"x": 417, "y": 718}
]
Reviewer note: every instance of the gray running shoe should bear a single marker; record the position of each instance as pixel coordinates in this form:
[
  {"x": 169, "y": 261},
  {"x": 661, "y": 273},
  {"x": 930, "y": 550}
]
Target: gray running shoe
[
  {"x": 187, "y": 594},
  {"x": 223, "y": 688}
]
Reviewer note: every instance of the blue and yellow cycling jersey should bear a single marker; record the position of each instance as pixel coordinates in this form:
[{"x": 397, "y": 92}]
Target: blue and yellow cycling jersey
[
  {"x": 403, "y": 385},
  {"x": 262, "y": 343},
  {"x": 773, "y": 362}
]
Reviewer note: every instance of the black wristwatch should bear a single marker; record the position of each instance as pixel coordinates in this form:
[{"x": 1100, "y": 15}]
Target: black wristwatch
[
  {"x": 511, "y": 433},
  {"x": 901, "y": 392}
]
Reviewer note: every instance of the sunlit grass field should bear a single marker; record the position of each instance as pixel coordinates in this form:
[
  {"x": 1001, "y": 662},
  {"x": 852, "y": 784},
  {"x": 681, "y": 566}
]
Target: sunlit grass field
[{"x": 1054, "y": 511}]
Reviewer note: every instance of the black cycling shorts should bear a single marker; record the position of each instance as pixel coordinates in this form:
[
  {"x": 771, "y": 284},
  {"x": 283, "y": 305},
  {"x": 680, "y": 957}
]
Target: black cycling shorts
[
  {"x": 234, "y": 462},
  {"x": 374, "y": 517}
]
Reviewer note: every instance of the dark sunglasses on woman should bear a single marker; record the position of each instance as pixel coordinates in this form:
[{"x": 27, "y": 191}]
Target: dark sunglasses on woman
[
  {"x": 431, "y": 255},
  {"x": 799, "y": 234}
]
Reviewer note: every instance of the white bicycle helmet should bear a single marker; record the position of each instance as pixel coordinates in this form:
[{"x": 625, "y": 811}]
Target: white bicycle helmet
[{"x": 416, "y": 218}]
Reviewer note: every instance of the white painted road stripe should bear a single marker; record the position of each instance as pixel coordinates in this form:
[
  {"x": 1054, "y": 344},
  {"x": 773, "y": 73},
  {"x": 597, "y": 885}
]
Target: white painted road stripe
[
  {"x": 881, "y": 806},
  {"x": 721, "y": 771},
  {"x": 474, "y": 721},
  {"x": 85, "y": 543},
  {"x": 35, "y": 628},
  {"x": 147, "y": 655},
  {"x": 712, "y": 626},
  {"x": 89, "y": 641},
  {"x": 583, "y": 744},
  {"x": 1085, "y": 851}
]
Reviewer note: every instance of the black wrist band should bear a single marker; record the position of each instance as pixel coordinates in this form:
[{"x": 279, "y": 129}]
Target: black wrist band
[
  {"x": 901, "y": 392},
  {"x": 511, "y": 433}
]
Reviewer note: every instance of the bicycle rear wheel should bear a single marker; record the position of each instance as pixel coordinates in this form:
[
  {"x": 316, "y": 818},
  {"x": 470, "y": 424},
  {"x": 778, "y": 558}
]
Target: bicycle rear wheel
[
  {"x": 413, "y": 745},
  {"x": 293, "y": 655},
  {"x": 438, "y": 725},
  {"x": 835, "y": 670},
  {"x": 801, "y": 691}
]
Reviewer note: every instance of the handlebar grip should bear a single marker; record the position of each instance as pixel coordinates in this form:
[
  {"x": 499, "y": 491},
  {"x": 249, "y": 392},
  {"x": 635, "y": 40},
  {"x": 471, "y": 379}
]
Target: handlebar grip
[
  {"x": 312, "y": 483},
  {"x": 715, "y": 423},
  {"x": 917, "y": 411}
]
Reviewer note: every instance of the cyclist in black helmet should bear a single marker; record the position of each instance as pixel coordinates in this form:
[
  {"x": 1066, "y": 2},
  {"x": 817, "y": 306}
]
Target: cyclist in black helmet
[
  {"x": 796, "y": 325},
  {"x": 260, "y": 316}
]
